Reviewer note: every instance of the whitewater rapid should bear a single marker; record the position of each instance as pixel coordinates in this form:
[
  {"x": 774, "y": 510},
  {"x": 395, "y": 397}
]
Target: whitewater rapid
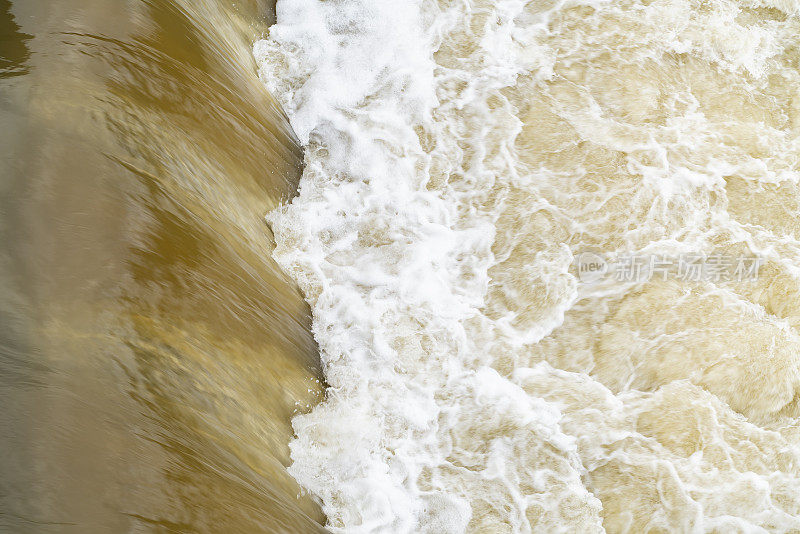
[{"x": 459, "y": 157}]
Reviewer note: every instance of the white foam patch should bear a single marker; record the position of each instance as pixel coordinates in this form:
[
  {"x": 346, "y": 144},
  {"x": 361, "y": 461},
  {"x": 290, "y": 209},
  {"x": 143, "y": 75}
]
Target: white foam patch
[{"x": 458, "y": 156}]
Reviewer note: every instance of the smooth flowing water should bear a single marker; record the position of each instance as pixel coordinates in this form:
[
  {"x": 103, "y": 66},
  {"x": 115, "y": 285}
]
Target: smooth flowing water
[
  {"x": 151, "y": 351},
  {"x": 461, "y": 157}
]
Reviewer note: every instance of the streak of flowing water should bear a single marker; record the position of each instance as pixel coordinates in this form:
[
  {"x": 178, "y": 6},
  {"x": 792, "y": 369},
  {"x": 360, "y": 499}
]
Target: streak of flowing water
[{"x": 459, "y": 156}]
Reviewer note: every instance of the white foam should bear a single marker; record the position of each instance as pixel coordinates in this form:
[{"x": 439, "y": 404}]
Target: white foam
[{"x": 458, "y": 155}]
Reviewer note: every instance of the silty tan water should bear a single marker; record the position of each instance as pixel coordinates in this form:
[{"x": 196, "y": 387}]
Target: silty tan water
[
  {"x": 460, "y": 157},
  {"x": 152, "y": 352}
]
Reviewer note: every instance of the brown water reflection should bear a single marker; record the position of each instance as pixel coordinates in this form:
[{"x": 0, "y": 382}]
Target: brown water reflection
[{"x": 151, "y": 352}]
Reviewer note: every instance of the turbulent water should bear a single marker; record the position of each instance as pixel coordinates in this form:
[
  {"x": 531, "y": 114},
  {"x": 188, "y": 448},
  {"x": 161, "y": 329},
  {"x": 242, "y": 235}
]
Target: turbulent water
[{"x": 460, "y": 156}]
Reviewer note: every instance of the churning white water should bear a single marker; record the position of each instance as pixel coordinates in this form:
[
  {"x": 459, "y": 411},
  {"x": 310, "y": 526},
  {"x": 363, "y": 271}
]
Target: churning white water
[{"x": 460, "y": 155}]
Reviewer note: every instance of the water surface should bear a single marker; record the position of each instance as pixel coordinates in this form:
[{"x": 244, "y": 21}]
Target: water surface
[{"x": 151, "y": 351}]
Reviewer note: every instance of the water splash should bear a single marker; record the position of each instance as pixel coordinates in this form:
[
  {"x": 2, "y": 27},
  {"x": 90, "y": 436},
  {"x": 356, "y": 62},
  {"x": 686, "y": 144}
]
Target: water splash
[{"x": 459, "y": 157}]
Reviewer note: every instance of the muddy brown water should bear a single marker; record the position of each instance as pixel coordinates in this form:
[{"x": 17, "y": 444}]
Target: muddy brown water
[{"x": 151, "y": 351}]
